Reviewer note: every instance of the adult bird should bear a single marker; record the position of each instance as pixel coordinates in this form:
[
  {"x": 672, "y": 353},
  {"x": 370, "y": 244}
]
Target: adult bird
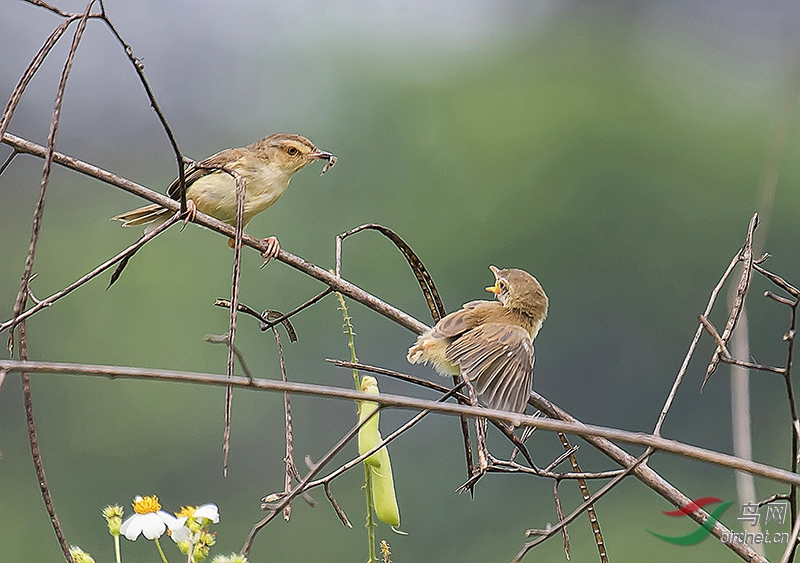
[{"x": 267, "y": 166}]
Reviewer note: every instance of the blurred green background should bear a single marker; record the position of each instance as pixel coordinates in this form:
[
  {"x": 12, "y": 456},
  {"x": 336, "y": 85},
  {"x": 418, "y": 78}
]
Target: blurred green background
[{"x": 613, "y": 149}]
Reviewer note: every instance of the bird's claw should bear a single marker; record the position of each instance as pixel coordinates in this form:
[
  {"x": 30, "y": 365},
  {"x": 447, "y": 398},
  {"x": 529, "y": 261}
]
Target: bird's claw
[
  {"x": 191, "y": 211},
  {"x": 272, "y": 250}
]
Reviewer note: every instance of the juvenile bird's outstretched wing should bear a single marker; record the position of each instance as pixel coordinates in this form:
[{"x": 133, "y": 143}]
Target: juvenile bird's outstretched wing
[
  {"x": 459, "y": 322},
  {"x": 498, "y": 359}
]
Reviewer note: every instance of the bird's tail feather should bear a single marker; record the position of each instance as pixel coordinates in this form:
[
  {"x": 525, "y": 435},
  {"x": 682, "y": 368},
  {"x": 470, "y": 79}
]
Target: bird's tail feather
[{"x": 143, "y": 215}]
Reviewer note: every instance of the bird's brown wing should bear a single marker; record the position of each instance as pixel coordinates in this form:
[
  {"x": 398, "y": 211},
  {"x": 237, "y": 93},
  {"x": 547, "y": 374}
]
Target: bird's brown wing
[
  {"x": 228, "y": 158},
  {"x": 498, "y": 359},
  {"x": 466, "y": 318}
]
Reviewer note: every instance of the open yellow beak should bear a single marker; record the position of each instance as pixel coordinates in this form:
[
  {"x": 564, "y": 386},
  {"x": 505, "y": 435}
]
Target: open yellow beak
[{"x": 494, "y": 288}]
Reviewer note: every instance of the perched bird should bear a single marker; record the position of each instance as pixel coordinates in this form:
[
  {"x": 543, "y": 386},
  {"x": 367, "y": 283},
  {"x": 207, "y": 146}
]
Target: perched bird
[
  {"x": 267, "y": 166},
  {"x": 490, "y": 342}
]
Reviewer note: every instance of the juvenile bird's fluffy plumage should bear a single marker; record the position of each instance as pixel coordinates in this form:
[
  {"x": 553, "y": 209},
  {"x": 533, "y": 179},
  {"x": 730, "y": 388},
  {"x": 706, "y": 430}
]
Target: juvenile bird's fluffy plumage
[{"x": 491, "y": 342}]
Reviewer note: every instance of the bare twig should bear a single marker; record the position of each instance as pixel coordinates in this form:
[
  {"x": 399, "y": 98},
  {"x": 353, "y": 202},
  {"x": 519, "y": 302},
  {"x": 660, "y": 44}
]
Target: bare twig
[
  {"x": 738, "y": 301},
  {"x": 288, "y": 460},
  {"x": 560, "y": 516},
  {"x": 648, "y": 476},
  {"x": 338, "y": 509},
  {"x": 772, "y": 499},
  {"x": 268, "y": 318},
  {"x": 590, "y": 511},
  {"x": 8, "y": 160},
  {"x": 34, "y": 66},
  {"x": 725, "y": 355},
  {"x": 777, "y": 280},
  {"x": 241, "y": 186}
]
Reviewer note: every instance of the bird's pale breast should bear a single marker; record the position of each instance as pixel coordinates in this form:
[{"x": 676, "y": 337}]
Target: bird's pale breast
[{"x": 215, "y": 194}]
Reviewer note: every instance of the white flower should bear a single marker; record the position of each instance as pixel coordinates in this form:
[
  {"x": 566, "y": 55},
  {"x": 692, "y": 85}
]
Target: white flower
[
  {"x": 192, "y": 519},
  {"x": 149, "y": 520}
]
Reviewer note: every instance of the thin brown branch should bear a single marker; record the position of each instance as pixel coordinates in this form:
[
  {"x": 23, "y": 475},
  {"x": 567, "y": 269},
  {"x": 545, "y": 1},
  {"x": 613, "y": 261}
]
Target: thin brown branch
[
  {"x": 51, "y": 8},
  {"x": 772, "y": 499},
  {"x": 780, "y": 299},
  {"x": 223, "y": 339},
  {"x": 778, "y": 280},
  {"x": 267, "y": 318},
  {"x": 788, "y": 553},
  {"x": 241, "y": 186},
  {"x": 49, "y": 151},
  {"x": 558, "y": 421},
  {"x": 741, "y": 293},
  {"x": 338, "y": 509},
  {"x": 288, "y": 460},
  {"x": 590, "y": 511},
  {"x": 560, "y": 516},
  {"x": 424, "y": 279},
  {"x": 8, "y": 160},
  {"x": 725, "y": 355}
]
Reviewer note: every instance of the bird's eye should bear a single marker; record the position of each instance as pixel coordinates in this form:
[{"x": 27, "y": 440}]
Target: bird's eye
[
  {"x": 502, "y": 285},
  {"x": 292, "y": 151}
]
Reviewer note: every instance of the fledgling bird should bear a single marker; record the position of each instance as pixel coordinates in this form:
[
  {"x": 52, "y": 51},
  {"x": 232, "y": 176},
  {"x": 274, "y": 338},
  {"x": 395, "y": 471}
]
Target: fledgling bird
[
  {"x": 267, "y": 166},
  {"x": 491, "y": 342}
]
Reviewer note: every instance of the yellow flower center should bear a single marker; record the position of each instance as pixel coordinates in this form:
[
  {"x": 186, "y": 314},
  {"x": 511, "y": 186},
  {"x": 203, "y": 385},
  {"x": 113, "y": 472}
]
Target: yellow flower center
[
  {"x": 187, "y": 511},
  {"x": 146, "y": 505}
]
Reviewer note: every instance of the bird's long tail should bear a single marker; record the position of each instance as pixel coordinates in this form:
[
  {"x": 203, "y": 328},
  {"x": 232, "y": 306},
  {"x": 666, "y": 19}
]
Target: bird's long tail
[{"x": 144, "y": 215}]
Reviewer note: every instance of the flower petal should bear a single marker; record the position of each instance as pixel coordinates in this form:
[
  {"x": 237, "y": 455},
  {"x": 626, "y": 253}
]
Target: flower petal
[
  {"x": 180, "y": 535},
  {"x": 168, "y": 519},
  {"x": 152, "y": 526},
  {"x": 132, "y": 527},
  {"x": 209, "y": 510}
]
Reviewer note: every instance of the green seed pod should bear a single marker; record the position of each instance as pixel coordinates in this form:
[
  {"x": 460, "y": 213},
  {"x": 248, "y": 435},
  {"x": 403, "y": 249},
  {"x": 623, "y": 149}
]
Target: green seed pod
[
  {"x": 383, "y": 495},
  {"x": 369, "y": 436}
]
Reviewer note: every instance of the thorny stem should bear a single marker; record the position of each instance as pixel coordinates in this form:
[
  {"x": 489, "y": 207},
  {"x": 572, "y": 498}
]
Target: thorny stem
[
  {"x": 351, "y": 343},
  {"x": 370, "y": 518}
]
